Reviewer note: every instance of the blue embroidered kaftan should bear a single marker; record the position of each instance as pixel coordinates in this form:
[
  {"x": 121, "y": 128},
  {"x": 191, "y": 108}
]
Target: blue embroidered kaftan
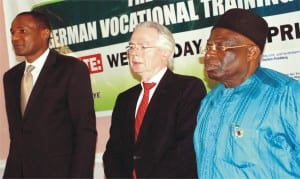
[{"x": 250, "y": 131}]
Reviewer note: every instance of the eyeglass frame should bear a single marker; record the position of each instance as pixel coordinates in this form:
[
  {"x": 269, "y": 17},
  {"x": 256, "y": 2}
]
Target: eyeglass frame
[
  {"x": 222, "y": 48},
  {"x": 138, "y": 47}
]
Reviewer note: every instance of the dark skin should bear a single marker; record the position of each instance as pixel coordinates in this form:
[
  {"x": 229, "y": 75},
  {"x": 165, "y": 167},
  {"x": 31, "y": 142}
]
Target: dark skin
[
  {"x": 234, "y": 65},
  {"x": 28, "y": 37}
]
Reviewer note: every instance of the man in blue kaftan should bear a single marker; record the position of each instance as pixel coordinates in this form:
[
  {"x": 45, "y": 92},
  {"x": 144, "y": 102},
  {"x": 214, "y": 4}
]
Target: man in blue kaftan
[{"x": 248, "y": 126}]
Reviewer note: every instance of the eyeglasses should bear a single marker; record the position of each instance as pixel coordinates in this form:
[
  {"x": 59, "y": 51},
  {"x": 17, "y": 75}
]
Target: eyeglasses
[
  {"x": 222, "y": 48},
  {"x": 139, "y": 47}
]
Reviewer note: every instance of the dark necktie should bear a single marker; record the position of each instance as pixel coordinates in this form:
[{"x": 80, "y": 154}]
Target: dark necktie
[
  {"x": 26, "y": 87},
  {"x": 142, "y": 108}
]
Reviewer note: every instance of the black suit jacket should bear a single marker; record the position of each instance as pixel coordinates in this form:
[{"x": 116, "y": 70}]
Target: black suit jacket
[
  {"x": 164, "y": 147},
  {"x": 56, "y": 137}
]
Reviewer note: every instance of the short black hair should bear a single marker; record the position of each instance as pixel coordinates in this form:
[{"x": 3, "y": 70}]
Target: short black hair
[{"x": 38, "y": 16}]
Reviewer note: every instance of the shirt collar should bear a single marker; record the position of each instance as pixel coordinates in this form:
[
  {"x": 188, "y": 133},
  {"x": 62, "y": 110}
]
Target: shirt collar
[
  {"x": 156, "y": 78},
  {"x": 39, "y": 62}
]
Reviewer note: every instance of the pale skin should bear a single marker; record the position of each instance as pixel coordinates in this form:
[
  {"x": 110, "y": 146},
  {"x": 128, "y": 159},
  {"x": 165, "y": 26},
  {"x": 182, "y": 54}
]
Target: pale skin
[
  {"x": 232, "y": 66},
  {"x": 147, "y": 62},
  {"x": 28, "y": 38}
]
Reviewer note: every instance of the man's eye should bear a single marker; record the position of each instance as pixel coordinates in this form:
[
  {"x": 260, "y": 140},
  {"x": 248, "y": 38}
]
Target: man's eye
[
  {"x": 130, "y": 47},
  {"x": 18, "y": 31},
  {"x": 145, "y": 47},
  {"x": 221, "y": 48},
  {"x": 22, "y": 31}
]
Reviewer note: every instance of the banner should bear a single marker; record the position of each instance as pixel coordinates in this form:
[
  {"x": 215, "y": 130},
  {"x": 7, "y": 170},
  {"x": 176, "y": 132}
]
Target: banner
[{"x": 97, "y": 32}]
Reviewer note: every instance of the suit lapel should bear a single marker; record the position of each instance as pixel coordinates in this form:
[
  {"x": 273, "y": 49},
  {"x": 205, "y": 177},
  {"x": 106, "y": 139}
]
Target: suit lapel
[
  {"x": 154, "y": 106},
  {"x": 17, "y": 86},
  {"x": 131, "y": 112},
  {"x": 41, "y": 82}
]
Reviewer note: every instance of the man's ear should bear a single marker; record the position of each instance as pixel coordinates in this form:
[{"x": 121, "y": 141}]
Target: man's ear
[
  {"x": 253, "y": 53},
  {"x": 166, "y": 54},
  {"x": 46, "y": 33}
]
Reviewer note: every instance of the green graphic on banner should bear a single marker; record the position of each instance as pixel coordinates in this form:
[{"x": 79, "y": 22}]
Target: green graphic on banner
[
  {"x": 97, "y": 32},
  {"x": 82, "y": 25}
]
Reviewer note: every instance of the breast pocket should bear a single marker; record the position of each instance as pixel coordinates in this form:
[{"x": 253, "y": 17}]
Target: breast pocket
[{"x": 244, "y": 147}]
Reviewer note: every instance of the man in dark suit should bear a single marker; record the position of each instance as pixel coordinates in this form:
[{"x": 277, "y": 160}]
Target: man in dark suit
[
  {"x": 55, "y": 135},
  {"x": 163, "y": 146}
]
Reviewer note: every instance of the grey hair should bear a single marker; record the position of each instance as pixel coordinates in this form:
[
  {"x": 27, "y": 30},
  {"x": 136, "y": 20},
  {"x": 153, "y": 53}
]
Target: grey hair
[{"x": 165, "y": 40}]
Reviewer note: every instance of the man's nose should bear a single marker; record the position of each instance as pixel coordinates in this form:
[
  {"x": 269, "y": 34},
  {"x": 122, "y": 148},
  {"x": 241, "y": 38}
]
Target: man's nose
[{"x": 14, "y": 37}]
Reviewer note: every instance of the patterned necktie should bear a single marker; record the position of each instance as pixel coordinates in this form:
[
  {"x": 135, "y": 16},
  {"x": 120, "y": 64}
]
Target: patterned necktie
[
  {"x": 142, "y": 108},
  {"x": 26, "y": 87}
]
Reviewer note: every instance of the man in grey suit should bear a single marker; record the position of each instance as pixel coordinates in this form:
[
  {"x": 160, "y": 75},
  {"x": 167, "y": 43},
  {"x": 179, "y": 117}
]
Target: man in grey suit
[
  {"x": 163, "y": 145},
  {"x": 55, "y": 134}
]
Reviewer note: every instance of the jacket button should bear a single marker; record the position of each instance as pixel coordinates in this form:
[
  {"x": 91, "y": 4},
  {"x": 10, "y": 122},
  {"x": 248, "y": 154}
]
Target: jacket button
[{"x": 135, "y": 157}]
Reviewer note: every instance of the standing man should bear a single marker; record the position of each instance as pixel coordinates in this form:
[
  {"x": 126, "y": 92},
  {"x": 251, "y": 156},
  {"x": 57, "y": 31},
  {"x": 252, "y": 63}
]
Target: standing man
[
  {"x": 52, "y": 128},
  {"x": 162, "y": 146},
  {"x": 248, "y": 126}
]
